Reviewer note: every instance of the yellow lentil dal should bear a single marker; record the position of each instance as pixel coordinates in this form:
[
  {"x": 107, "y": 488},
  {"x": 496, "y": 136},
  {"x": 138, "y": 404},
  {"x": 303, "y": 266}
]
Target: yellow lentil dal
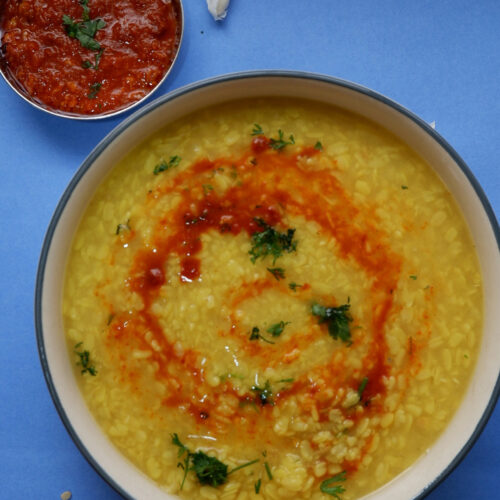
[{"x": 275, "y": 281}]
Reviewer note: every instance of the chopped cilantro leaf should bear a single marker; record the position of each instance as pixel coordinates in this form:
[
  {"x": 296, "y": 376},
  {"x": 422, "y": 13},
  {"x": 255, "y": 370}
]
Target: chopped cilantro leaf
[
  {"x": 182, "y": 449},
  {"x": 85, "y": 30},
  {"x": 257, "y": 129},
  {"x": 268, "y": 241},
  {"x": 413, "y": 276},
  {"x": 280, "y": 143},
  {"x": 277, "y": 329},
  {"x": 84, "y": 362},
  {"x": 362, "y": 387},
  {"x": 277, "y": 272},
  {"x": 177, "y": 442},
  {"x": 337, "y": 319},
  {"x": 244, "y": 465},
  {"x": 264, "y": 394},
  {"x": 293, "y": 286},
  {"x": 94, "y": 90},
  {"x": 163, "y": 165},
  {"x": 257, "y": 486},
  {"x": 255, "y": 335},
  {"x": 268, "y": 471},
  {"x": 86, "y": 9},
  {"x": 97, "y": 57},
  {"x": 334, "y": 491},
  {"x": 318, "y": 146},
  {"x": 209, "y": 470}
]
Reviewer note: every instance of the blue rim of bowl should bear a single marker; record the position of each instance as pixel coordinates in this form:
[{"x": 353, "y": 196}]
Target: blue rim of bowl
[
  {"x": 207, "y": 83},
  {"x": 18, "y": 88}
]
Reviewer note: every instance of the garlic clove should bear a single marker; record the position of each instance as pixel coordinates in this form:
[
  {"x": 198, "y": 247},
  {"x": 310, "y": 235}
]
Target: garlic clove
[{"x": 218, "y": 8}]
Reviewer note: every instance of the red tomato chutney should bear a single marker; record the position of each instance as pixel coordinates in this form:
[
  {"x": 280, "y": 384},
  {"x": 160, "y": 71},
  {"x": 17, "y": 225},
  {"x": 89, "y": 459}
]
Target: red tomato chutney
[{"x": 89, "y": 56}]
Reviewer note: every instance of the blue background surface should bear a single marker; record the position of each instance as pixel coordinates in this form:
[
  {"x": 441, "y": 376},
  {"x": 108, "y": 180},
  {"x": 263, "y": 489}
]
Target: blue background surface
[{"x": 439, "y": 59}]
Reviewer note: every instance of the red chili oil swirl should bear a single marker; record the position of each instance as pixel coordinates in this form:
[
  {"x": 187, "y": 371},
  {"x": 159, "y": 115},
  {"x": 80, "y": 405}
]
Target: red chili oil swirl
[{"x": 271, "y": 185}]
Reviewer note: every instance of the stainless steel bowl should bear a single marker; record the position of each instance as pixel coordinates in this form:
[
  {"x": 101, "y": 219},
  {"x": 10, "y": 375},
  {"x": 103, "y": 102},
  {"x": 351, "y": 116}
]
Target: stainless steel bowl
[{"x": 19, "y": 89}]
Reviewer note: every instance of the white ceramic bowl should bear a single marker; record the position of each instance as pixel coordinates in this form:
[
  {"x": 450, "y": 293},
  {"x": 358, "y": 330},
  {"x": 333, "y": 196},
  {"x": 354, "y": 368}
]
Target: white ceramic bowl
[{"x": 484, "y": 388}]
